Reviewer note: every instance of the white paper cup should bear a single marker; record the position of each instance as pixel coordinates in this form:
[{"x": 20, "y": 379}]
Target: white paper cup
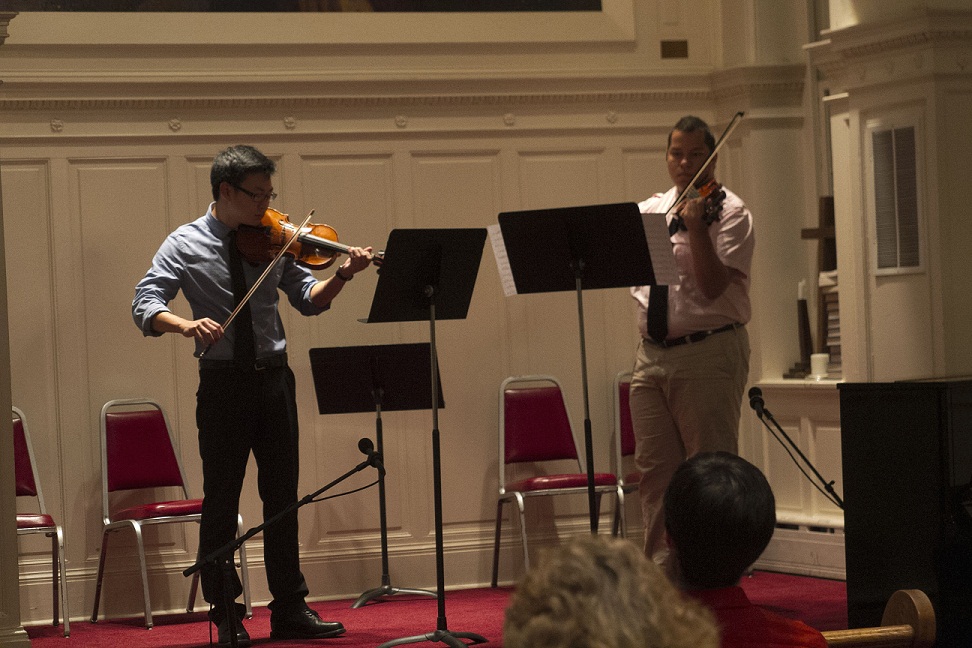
[{"x": 818, "y": 365}]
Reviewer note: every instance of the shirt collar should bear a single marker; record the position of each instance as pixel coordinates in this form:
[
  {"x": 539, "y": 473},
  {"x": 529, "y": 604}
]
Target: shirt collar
[{"x": 216, "y": 226}]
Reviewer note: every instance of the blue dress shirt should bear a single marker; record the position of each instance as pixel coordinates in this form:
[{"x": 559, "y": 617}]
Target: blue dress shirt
[{"x": 195, "y": 259}]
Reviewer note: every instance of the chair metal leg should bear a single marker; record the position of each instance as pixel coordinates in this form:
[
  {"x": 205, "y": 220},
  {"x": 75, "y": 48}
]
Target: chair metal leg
[
  {"x": 193, "y": 586},
  {"x": 60, "y": 574},
  {"x": 620, "y": 524},
  {"x": 244, "y": 577},
  {"x": 523, "y": 533},
  {"x": 496, "y": 542},
  {"x": 101, "y": 575},
  {"x": 55, "y": 575},
  {"x": 144, "y": 570}
]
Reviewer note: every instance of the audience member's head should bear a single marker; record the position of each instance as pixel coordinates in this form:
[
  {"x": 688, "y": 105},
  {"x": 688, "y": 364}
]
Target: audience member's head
[
  {"x": 602, "y": 592},
  {"x": 720, "y": 515}
]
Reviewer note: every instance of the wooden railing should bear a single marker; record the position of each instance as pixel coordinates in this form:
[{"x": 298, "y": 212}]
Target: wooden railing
[{"x": 908, "y": 622}]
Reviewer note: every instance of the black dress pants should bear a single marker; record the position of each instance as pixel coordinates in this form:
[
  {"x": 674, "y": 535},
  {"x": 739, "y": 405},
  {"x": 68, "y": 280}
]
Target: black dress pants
[{"x": 238, "y": 411}]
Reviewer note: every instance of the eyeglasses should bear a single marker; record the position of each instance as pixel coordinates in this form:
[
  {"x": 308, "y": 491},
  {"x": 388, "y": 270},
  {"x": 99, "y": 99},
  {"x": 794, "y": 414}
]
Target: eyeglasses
[{"x": 257, "y": 198}]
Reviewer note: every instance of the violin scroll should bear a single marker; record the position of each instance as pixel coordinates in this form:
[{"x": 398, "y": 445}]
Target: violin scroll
[{"x": 714, "y": 195}]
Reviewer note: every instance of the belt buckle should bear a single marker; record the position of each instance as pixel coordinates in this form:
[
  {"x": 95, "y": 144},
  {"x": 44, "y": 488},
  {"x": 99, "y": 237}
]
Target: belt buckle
[{"x": 261, "y": 364}]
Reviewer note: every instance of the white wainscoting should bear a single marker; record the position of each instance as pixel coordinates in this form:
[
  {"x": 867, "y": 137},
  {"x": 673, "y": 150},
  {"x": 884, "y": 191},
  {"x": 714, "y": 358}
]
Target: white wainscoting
[{"x": 809, "y": 538}]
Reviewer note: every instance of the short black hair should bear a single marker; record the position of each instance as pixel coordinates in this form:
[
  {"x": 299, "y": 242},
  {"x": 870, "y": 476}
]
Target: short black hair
[
  {"x": 233, "y": 164},
  {"x": 720, "y": 514},
  {"x": 690, "y": 124}
]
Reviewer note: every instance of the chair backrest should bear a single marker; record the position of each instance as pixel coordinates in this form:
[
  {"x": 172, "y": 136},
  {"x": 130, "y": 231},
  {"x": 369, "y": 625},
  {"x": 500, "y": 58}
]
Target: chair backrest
[
  {"x": 624, "y": 441},
  {"x": 534, "y": 422},
  {"x": 137, "y": 450},
  {"x": 25, "y": 467}
]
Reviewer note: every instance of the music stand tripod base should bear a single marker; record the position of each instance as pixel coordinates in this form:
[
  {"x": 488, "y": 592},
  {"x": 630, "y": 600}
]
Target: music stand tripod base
[
  {"x": 383, "y": 377},
  {"x": 430, "y": 274}
]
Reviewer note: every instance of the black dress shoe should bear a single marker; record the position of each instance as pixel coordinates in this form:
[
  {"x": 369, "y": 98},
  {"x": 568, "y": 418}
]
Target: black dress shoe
[
  {"x": 226, "y": 639},
  {"x": 304, "y": 624}
]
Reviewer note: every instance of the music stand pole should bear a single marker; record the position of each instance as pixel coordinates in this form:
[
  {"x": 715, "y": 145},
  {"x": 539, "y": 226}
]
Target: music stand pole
[
  {"x": 386, "y": 588},
  {"x": 421, "y": 267},
  {"x": 588, "y": 434},
  {"x": 381, "y": 377},
  {"x": 583, "y": 248}
]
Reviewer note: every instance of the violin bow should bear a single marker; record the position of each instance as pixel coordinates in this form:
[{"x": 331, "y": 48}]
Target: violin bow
[
  {"x": 256, "y": 284},
  {"x": 722, "y": 140}
]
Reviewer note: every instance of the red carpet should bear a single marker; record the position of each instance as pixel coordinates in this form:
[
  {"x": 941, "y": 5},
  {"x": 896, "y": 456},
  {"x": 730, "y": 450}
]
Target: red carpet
[{"x": 821, "y": 603}]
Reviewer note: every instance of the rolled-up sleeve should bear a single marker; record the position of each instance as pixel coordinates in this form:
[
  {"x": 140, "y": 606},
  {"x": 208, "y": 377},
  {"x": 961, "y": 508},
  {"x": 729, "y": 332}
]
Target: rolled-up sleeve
[
  {"x": 157, "y": 288},
  {"x": 296, "y": 282}
]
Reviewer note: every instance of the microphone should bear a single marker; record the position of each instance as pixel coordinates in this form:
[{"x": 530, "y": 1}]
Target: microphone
[
  {"x": 756, "y": 400},
  {"x": 366, "y": 447}
]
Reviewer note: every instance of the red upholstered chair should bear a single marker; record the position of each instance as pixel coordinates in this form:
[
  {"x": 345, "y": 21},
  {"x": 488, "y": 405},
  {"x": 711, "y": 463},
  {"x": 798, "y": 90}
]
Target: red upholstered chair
[
  {"x": 138, "y": 453},
  {"x": 535, "y": 427},
  {"x": 25, "y": 474},
  {"x": 624, "y": 446}
]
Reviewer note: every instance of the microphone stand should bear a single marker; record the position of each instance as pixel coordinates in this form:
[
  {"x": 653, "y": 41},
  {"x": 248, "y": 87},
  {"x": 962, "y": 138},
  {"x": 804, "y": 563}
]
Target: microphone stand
[
  {"x": 756, "y": 402},
  {"x": 223, "y": 557}
]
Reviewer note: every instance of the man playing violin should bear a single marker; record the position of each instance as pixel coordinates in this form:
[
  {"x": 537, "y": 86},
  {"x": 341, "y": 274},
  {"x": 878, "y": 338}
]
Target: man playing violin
[
  {"x": 692, "y": 363},
  {"x": 246, "y": 398}
]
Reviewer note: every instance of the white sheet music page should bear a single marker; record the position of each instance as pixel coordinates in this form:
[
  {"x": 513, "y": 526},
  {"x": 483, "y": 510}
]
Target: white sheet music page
[
  {"x": 502, "y": 261},
  {"x": 660, "y": 248}
]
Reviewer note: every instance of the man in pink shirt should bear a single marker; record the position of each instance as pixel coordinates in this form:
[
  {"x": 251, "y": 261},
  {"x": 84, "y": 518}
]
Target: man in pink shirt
[
  {"x": 692, "y": 364},
  {"x": 720, "y": 514}
]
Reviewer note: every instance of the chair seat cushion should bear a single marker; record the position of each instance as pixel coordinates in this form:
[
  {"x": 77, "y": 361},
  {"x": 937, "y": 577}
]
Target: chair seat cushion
[
  {"x": 34, "y": 521},
  {"x": 160, "y": 509},
  {"x": 572, "y": 480}
]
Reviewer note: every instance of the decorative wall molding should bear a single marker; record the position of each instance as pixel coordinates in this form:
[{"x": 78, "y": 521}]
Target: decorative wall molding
[
  {"x": 865, "y": 55},
  {"x": 768, "y": 85},
  {"x": 248, "y": 103},
  {"x": 5, "y": 18}
]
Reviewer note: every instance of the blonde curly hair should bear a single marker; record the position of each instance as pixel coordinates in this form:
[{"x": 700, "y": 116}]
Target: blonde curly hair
[{"x": 601, "y": 592}]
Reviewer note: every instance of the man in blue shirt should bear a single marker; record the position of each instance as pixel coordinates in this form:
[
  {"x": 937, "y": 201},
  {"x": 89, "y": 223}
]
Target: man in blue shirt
[{"x": 246, "y": 398}]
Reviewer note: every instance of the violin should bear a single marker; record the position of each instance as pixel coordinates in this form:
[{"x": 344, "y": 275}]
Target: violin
[
  {"x": 712, "y": 194},
  {"x": 315, "y": 246}
]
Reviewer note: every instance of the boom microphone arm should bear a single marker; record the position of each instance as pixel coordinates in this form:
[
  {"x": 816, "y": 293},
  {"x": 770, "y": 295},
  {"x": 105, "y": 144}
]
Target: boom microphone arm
[{"x": 756, "y": 402}]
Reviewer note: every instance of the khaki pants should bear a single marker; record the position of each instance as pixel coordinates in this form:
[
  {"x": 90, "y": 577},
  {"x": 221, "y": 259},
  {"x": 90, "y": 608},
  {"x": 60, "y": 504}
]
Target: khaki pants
[{"x": 684, "y": 400}]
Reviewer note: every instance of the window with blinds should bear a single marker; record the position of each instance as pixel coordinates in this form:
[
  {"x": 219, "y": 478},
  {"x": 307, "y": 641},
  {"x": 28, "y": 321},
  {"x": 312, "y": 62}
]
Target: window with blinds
[{"x": 896, "y": 229}]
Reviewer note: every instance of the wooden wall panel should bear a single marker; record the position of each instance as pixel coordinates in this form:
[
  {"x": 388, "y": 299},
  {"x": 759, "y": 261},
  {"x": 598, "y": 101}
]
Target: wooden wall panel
[{"x": 364, "y": 186}]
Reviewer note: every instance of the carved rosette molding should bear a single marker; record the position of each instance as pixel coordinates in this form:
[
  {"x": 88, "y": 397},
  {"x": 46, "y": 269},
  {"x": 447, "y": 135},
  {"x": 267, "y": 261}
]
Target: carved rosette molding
[
  {"x": 344, "y": 102},
  {"x": 779, "y": 81},
  {"x": 771, "y": 88}
]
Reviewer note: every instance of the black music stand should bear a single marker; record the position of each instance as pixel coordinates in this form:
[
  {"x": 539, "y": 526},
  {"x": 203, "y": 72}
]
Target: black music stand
[
  {"x": 389, "y": 377},
  {"x": 578, "y": 248},
  {"x": 430, "y": 274}
]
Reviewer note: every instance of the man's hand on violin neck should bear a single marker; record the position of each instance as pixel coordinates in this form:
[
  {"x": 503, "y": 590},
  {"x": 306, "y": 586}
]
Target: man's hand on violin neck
[{"x": 358, "y": 260}]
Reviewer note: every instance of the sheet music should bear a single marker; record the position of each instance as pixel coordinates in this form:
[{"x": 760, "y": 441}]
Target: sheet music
[
  {"x": 502, "y": 261},
  {"x": 660, "y": 248}
]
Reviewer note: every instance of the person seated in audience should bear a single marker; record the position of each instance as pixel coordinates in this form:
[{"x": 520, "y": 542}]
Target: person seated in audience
[
  {"x": 602, "y": 592},
  {"x": 720, "y": 514}
]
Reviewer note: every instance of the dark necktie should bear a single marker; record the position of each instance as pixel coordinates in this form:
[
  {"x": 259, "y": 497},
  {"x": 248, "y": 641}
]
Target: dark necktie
[
  {"x": 658, "y": 313},
  {"x": 243, "y": 347},
  {"x": 658, "y": 298},
  {"x": 676, "y": 224}
]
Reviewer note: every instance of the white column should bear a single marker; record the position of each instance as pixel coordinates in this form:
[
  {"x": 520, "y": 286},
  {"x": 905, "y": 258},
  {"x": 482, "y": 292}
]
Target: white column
[{"x": 11, "y": 630}]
